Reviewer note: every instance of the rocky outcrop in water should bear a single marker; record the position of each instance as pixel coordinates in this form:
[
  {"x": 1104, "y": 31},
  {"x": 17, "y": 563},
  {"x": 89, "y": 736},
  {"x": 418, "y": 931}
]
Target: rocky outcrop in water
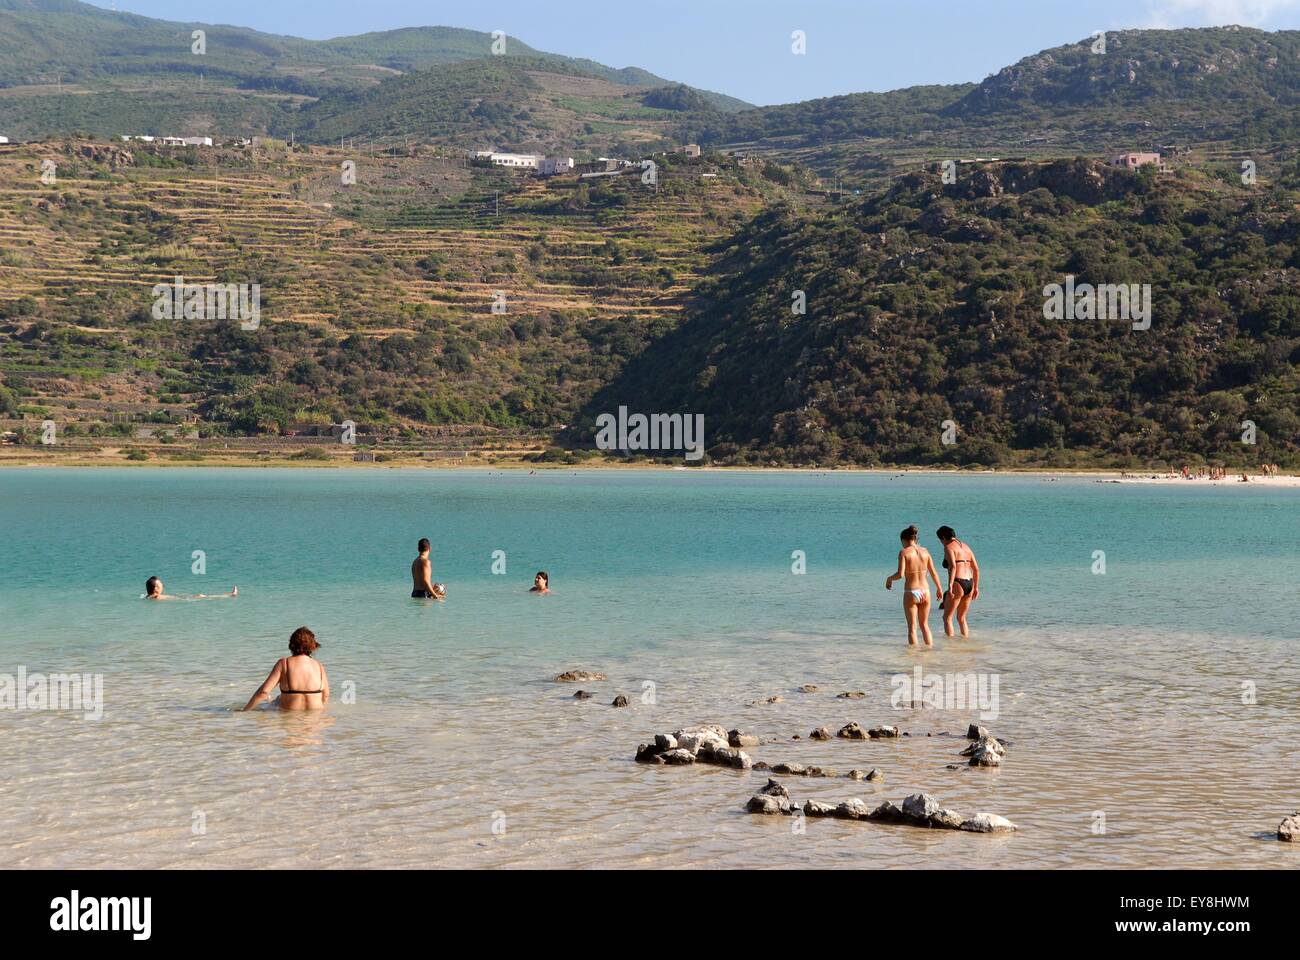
[
  {"x": 821, "y": 733},
  {"x": 740, "y": 738},
  {"x": 851, "y": 695},
  {"x": 1289, "y": 829},
  {"x": 619, "y": 701},
  {"x": 582, "y": 695},
  {"x": 851, "y": 731},
  {"x": 579, "y": 676},
  {"x": 701, "y": 744},
  {"x": 918, "y": 810},
  {"x": 987, "y": 751},
  {"x": 883, "y": 733}
]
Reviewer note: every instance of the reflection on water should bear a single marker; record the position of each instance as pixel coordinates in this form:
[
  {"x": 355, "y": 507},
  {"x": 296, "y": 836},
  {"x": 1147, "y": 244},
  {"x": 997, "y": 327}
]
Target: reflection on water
[{"x": 1174, "y": 717}]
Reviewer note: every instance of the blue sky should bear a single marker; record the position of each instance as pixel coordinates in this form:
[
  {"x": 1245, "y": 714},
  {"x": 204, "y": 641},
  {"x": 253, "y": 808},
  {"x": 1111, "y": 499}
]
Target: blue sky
[{"x": 742, "y": 47}]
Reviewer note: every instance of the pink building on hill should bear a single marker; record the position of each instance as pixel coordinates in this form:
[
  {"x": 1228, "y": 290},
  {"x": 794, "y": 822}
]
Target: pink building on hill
[{"x": 1135, "y": 160}]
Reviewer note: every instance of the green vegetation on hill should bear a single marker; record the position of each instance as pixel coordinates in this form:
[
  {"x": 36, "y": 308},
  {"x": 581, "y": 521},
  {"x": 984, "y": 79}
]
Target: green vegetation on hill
[
  {"x": 925, "y": 304},
  {"x": 71, "y": 67}
]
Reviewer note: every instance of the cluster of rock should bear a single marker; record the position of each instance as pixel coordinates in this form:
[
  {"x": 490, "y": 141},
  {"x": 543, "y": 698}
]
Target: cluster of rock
[
  {"x": 1289, "y": 829},
  {"x": 852, "y": 731},
  {"x": 579, "y": 676},
  {"x": 987, "y": 750},
  {"x": 802, "y": 770},
  {"x": 703, "y": 744},
  {"x": 918, "y": 810}
]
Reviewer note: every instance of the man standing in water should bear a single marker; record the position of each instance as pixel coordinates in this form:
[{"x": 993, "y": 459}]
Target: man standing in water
[{"x": 422, "y": 587}]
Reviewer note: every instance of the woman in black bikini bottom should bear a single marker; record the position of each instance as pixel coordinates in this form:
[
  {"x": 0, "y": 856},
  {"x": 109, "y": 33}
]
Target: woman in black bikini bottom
[{"x": 302, "y": 644}]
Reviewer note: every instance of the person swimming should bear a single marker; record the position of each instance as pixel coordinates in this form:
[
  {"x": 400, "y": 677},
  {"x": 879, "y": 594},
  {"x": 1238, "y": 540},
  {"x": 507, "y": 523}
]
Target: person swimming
[
  {"x": 541, "y": 583},
  {"x": 422, "y": 587},
  {"x": 153, "y": 590},
  {"x": 303, "y": 682},
  {"x": 962, "y": 590},
  {"x": 914, "y": 563}
]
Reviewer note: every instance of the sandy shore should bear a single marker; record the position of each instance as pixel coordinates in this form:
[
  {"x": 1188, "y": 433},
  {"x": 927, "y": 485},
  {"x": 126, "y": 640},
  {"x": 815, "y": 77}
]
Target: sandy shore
[{"x": 16, "y": 458}]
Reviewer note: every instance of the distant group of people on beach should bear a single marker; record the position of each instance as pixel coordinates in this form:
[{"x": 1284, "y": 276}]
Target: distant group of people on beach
[
  {"x": 915, "y": 564},
  {"x": 1211, "y": 473}
]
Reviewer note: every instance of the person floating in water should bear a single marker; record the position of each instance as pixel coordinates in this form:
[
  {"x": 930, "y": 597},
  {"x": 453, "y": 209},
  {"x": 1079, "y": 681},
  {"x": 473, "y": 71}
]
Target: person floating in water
[
  {"x": 153, "y": 590},
  {"x": 303, "y": 683},
  {"x": 963, "y": 581},
  {"x": 914, "y": 563},
  {"x": 541, "y": 583},
  {"x": 423, "y": 588}
]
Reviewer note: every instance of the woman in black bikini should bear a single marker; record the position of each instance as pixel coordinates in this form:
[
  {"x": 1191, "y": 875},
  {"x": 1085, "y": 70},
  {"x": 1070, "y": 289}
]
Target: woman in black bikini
[
  {"x": 302, "y": 680},
  {"x": 963, "y": 580}
]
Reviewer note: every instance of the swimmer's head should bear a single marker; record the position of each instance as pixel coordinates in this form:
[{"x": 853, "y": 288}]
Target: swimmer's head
[
  {"x": 542, "y": 580},
  {"x": 424, "y": 544},
  {"x": 946, "y": 534},
  {"x": 910, "y": 534},
  {"x": 152, "y": 587},
  {"x": 303, "y": 642}
]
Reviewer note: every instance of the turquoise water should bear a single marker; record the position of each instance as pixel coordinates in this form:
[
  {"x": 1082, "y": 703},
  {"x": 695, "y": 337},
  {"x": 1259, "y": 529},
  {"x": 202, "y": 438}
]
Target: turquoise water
[{"x": 1121, "y": 692}]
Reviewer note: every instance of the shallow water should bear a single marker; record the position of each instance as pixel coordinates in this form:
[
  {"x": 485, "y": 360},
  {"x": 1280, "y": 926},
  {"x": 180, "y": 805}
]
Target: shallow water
[{"x": 1122, "y": 693}]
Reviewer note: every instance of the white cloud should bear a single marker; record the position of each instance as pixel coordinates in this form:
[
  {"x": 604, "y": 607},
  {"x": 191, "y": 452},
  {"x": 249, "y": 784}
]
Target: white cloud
[{"x": 1217, "y": 13}]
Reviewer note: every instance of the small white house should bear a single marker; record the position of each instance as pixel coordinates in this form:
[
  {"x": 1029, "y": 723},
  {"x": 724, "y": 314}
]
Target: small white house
[
  {"x": 198, "y": 141},
  {"x": 518, "y": 161},
  {"x": 691, "y": 149},
  {"x": 4, "y": 139}
]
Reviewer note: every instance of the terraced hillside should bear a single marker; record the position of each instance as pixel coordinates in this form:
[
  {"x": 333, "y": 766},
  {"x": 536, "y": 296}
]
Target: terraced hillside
[{"x": 376, "y": 297}]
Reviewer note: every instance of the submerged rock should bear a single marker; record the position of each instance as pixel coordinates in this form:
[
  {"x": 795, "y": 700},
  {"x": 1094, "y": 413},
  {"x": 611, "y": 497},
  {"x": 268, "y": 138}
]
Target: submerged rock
[
  {"x": 946, "y": 820},
  {"x": 1289, "y": 829},
  {"x": 790, "y": 769},
  {"x": 579, "y": 676},
  {"x": 777, "y": 699},
  {"x": 815, "y": 808},
  {"x": 808, "y": 688},
  {"x": 988, "y": 823},
  {"x": 887, "y": 813},
  {"x": 821, "y": 733},
  {"x": 985, "y": 743},
  {"x": 883, "y": 733},
  {"x": 582, "y": 695},
  {"x": 875, "y": 775},
  {"x": 919, "y": 807},
  {"x": 651, "y": 753},
  {"x": 738, "y": 738},
  {"x": 619, "y": 701},
  {"x": 853, "y": 809},
  {"x": 854, "y": 695},
  {"x": 851, "y": 731},
  {"x": 771, "y": 806},
  {"x": 986, "y": 757},
  {"x": 724, "y": 757}
]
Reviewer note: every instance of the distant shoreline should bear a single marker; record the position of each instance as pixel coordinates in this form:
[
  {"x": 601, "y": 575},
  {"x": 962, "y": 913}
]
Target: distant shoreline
[{"x": 1100, "y": 474}]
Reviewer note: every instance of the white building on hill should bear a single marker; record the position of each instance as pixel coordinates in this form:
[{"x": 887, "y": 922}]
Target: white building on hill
[
  {"x": 4, "y": 139},
  {"x": 551, "y": 166},
  {"x": 516, "y": 161}
]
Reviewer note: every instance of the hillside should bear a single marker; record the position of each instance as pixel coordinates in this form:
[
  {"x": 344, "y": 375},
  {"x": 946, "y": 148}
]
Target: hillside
[
  {"x": 521, "y": 103},
  {"x": 376, "y": 297},
  {"x": 71, "y": 67},
  {"x": 1208, "y": 91},
  {"x": 925, "y": 304}
]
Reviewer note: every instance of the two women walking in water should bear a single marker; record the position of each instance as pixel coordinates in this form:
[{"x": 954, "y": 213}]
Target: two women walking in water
[{"x": 915, "y": 564}]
